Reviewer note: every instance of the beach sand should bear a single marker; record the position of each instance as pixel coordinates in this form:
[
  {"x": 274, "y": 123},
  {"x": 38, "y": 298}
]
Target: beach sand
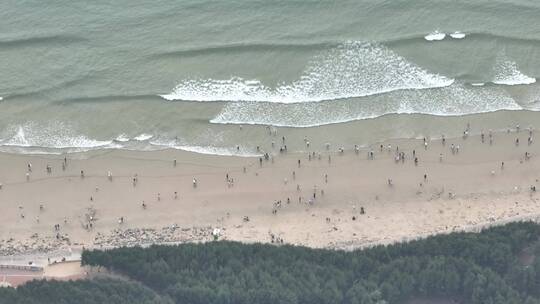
[
  {"x": 465, "y": 191},
  {"x": 70, "y": 270}
]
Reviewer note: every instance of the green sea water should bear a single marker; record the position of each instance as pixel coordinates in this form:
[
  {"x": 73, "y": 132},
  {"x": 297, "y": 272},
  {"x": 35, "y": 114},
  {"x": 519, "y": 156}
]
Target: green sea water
[{"x": 79, "y": 75}]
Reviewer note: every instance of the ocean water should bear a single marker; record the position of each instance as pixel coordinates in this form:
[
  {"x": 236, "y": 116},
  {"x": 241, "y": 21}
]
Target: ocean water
[{"x": 221, "y": 76}]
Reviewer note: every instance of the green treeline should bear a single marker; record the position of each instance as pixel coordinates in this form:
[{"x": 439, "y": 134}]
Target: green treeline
[
  {"x": 470, "y": 268},
  {"x": 96, "y": 291}
]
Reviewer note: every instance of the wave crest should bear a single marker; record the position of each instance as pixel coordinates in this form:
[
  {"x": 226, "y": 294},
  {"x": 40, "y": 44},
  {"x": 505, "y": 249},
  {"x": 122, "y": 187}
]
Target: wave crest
[
  {"x": 353, "y": 69},
  {"x": 53, "y": 136},
  {"x": 458, "y": 35},
  {"x": 435, "y": 36},
  {"x": 507, "y": 73},
  {"x": 457, "y": 99}
]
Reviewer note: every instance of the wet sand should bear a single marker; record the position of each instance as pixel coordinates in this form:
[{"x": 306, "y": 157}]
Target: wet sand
[{"x": 465, "y": 191}]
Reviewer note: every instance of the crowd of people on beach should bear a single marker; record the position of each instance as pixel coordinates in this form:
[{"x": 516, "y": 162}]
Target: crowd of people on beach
[{"x": 309, "y": 198}]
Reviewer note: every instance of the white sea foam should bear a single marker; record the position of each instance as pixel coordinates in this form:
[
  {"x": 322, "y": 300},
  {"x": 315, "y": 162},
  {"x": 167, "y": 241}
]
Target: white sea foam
[
  {"x": 534, "y": 105},
  {"x": 353, "y": 69},
  {"x": 143, "y": 137},
  {"x": 122, "y": 138},
  {"x": 224, "y": 151},
  {"x": 458, "y": 35},
  {"x": 457, "y": 99},
  {"x": 478, "y": 84},
  {"x": 203, "y": 149},
  {"x": 507, "y": 72},
  {"x": 53, "y": 135},
  {"x": 435, "y": 36},
  {"x": 57, "y": 138},
  {"x": 19, "y": 139}
]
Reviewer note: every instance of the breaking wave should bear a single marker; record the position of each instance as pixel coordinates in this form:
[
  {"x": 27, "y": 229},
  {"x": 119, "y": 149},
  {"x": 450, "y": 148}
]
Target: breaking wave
[
  {"x": 178, "y": 144},
  {"x": 507, "y": 72},
  {"x": 143, "y": 137},
  {"x": 435, "y": 36},
  {"x": 438, "y": 36},
  {"x": 52, "y": 136},
  {"x": 457, "y": 99},
  {"x": 353, "y": 69},
  {"x": 458, "y": 35},
  {"x": 58, "y": 138},
  {"x": 122, "y": 138},
  {"x": 223, "y": 151}
]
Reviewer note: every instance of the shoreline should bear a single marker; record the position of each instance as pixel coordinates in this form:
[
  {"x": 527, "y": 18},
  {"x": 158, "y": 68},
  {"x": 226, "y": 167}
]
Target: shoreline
[
  {"x": 465, "y": 191},
  {"x": 390, "y": 127}
]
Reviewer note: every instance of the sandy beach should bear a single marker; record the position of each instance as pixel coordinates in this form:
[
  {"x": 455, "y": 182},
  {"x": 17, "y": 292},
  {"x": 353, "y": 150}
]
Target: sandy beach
[{"x": 333, "y": 199}]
